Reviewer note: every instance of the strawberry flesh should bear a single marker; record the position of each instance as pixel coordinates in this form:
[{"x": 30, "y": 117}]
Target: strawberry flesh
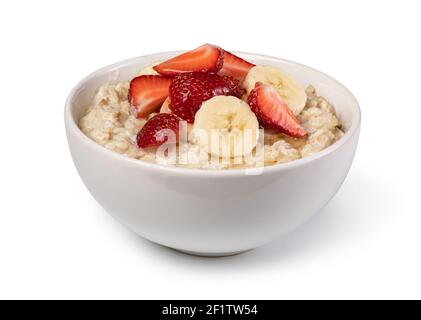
[
  {"x": 189, "y": 90},
  {"x": 273, "y": 112},
  {"x": 154, "y": 133},
  {"x": 147, "y": 93},
  {"x": 207, "y": 58},
  {"x": 235, "y": 66}
]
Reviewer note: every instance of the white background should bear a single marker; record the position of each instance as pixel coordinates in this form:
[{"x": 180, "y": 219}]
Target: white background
[{"x": 56, "y": 241}]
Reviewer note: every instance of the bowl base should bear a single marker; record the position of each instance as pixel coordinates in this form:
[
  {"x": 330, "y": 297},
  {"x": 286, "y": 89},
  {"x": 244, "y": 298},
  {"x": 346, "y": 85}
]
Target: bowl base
[{"x": 212, "y": 254}]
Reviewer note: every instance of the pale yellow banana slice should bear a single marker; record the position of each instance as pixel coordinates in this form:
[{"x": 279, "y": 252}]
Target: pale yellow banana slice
[
  {"x": 149, "y": 70},
  {"x": 165, "y": 108},
  {"x": 226, "y": 126},
  {"x": 290, "y": 90}
]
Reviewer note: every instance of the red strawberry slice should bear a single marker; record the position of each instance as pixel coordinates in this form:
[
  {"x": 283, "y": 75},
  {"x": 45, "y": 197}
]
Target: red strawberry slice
[
  {"x": 235, "y": 66},
  {"x": 273, "y": 112},
  {"x": 147, "y": 93},
  {"x": 189, "y": 90},
  {"x": 155, "y": 132},
  {"x": 207, "y": 58}
]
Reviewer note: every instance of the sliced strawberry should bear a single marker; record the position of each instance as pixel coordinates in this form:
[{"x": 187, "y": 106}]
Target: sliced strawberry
[
  {"x": 155, "y": 132},
  {"x": 189, "y": 90},
  {"x": 147, "y": 93},
  {"x": 207, "y": 58},
  {"x": 273, "y": 112},
  {"x": 235, "y": 66}
]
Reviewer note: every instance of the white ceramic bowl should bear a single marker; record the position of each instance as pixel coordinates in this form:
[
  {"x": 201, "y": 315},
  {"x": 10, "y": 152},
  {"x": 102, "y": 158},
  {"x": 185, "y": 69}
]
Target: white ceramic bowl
[{"x": 205, "y": 212}]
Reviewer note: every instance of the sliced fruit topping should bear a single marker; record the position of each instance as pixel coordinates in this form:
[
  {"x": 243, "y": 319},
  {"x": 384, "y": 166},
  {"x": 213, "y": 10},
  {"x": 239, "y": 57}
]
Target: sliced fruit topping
[
  {"x": 231, "y": 128},
  {"x": 165, "y": 108},
  {"x": 290, "y": 90},
  {"x": 147, "y": 93},
  {"x": 155, "y": 132},
  {"x": 272, "y": 112},
  {"x": 235, "y": 66},
  {"x": 207, "y": 58},
  {"x": 189, "y": 90}
]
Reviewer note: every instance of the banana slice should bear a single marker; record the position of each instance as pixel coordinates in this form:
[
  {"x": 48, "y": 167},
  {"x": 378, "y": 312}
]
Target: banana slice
[
  {"x": 165, "y": 108},
  {"x": 291, "y": 91},
  {"x": 226, "y": 127},
  {"x": 149, "y": 70}
]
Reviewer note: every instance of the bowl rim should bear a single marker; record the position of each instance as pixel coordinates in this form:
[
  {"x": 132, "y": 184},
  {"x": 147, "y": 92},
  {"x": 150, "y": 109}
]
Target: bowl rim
[{"x": 73, "y": 128}]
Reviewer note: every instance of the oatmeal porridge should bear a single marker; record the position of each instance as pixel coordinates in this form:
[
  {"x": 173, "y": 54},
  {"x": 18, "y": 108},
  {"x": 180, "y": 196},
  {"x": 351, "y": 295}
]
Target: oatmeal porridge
[{"x": 216, "y": 106}]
